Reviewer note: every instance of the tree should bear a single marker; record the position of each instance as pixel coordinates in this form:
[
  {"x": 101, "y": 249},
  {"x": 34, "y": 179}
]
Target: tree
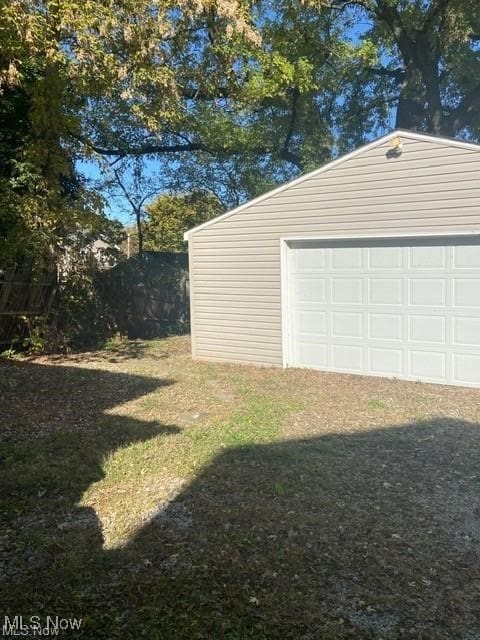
[
  {"x": 251, "y": 92},
  {"x": 44, "y": 201},
  {"x": 169, "y": 216},
  {"x": 230, "y": 80},
  {"x": 139, "y": 78},
  {"x": 116, "y": 79},
  {"x": 122, "y": 73},
  {"x": 136, "y": 198},
  {"x": 424, "y": 61}
]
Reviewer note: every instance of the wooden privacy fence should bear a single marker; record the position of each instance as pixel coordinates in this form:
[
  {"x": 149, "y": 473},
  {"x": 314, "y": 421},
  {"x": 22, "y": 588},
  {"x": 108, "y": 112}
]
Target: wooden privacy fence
[
  {"x": 23, "y": 295},
  {"x": 147, "y": 296},
  {"x": 141, "y": 297}
]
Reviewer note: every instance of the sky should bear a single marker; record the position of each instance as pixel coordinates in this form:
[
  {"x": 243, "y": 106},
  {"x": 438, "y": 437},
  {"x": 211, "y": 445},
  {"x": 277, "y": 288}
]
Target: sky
[{"x": 117, "y": 206}]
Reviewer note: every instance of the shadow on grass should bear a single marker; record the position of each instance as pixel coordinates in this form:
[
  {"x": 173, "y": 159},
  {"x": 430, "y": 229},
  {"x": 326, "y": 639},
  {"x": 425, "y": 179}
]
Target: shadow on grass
[
  {"x": 115, "y": 351},
  {"x": 367, "y": 535},
  {"x": 55, "y": 436},
  {"x": 39, "y": 400},
  {"x": 372, "y": 535}
]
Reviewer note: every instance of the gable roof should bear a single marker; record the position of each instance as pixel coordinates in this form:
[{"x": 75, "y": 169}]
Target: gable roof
[{"x": 404, "y": 133}]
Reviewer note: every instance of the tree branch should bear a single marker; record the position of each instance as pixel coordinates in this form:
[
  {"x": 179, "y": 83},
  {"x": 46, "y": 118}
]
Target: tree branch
[
  {"x": 142, "y": 150},
  {"x": 389, "y": 14},
  {"x": 397, "y": 74},
  {"x": 125, "y": 192},
  {"x": 436, "y": 8},
  {"x": 151, "y": 149},
  {"x": 346, "y": 3},
  {"x": 291, "y": 124},
  {"x": 461, "y": 115},
  {"x": 285, "y": 153},
  {"x": 197, "y": 94},
  {"x": 292, "y": 157}
]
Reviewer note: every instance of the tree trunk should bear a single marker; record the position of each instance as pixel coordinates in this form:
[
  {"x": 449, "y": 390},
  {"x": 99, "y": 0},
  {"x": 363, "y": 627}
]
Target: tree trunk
[
  {"x": 428, "y": 67},
  {"x": 420, "y": 101}
]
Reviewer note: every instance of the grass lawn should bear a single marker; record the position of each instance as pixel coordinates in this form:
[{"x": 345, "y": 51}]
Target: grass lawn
[{"x": 155, "y": 497}]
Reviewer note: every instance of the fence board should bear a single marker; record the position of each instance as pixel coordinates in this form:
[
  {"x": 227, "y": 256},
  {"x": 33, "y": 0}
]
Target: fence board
[
  {"x": 149, "y": 297},
  {"x": 23, "y": 293}
]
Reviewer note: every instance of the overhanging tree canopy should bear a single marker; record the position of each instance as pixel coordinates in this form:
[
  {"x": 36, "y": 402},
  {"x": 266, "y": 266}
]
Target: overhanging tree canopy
[
  {"x": 280, "y": 85},
  {"x": 426, "y": 60}
]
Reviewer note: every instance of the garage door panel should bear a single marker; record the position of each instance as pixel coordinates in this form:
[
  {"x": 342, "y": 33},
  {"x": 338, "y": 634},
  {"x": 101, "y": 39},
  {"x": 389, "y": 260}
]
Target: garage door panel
[
  {"x": 312, "y": 355},
  {"x": 466, "y": 258},
  {"x": 466, "y": 292},
  {"x": 311, "y": 260},
  {"x": 387, "y": 309},
  {"x": 346, "y": 290},
  {"x": 385, "y": 291},
  {"x": 427, "y": 329},
  {"x": 466, "y": 331},
  {"x": 385, "y": 326},
  {"x": 427, "y": 292},
  {"x": 427, "y": 257},
  {"x": 347, "y": 357},
  {"x": 346, "y": 259},
  {"x": 466, "y": 368},
  {"x": 388, "y": 258},
  {"x": 347, "y": 325},
  {"x": 310, "y": 290},
  {"x": 386, "y": 361},
  {"x": 312, "y": 322},
  {"x": 428, "y": 365}
]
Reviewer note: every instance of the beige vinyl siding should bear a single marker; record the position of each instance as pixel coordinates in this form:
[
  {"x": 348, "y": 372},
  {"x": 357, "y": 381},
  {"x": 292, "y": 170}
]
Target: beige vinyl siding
[{"x": 235, "y": 261}]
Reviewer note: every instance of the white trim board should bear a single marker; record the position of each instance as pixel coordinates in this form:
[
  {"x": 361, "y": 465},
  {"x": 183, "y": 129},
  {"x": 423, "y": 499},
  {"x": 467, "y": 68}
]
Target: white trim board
[
  {"x": 411, "y": 135},
  {"x": 379, "y": 236}
]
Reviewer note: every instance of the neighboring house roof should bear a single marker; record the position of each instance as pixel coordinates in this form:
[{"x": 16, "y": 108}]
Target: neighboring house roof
[{"x": 412, "y": 135}]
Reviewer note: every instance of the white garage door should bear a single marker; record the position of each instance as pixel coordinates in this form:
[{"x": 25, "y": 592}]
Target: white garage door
[{"x": 400, "y": 308}]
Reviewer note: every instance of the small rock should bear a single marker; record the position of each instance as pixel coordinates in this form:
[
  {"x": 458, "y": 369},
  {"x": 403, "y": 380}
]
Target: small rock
[{"x": 193, "y": 416}]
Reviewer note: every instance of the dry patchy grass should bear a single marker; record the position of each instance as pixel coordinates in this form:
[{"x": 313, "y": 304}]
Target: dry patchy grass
[{"x": 163, "y": 498}]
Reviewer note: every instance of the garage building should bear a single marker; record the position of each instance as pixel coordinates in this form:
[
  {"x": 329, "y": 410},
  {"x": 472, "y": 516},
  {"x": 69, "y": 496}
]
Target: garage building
[{"x": 368, "y": 265}]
